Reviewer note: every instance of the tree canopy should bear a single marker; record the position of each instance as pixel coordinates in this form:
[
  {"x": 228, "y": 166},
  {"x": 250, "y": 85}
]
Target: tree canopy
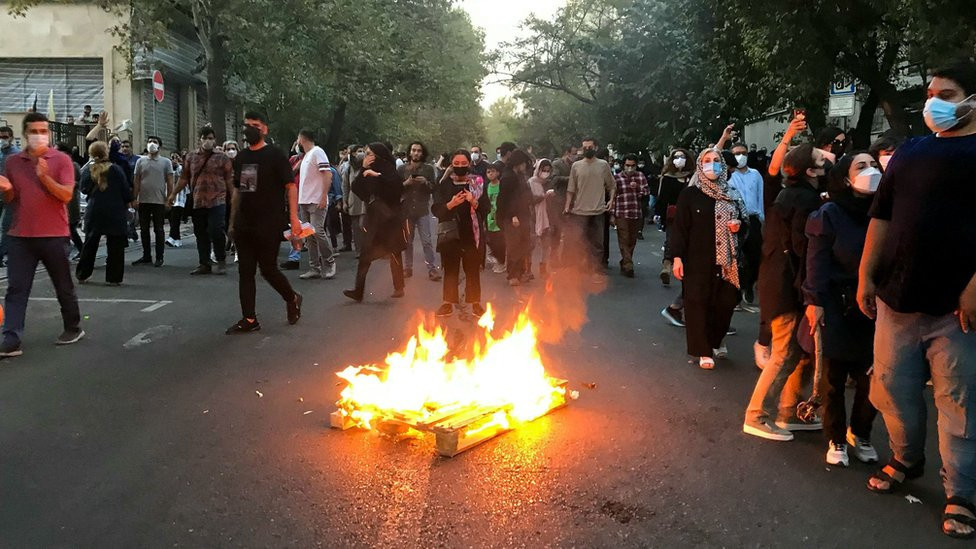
[
  {"x": 354, "y": 70},
  {"x": 659, "y": 73}
]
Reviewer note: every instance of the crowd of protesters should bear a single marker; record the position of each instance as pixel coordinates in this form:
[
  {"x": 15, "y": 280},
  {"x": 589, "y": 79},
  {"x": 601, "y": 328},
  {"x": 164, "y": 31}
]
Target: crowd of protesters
[{"x": 860, "y": 264}]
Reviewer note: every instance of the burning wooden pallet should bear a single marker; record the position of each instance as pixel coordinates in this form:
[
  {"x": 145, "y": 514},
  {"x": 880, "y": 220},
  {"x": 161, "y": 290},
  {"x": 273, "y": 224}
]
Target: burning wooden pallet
[{"x": 455, "y": 430}]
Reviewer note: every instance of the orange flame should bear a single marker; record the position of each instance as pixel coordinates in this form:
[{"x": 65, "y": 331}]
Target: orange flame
[{"x": 422, "y": 382}]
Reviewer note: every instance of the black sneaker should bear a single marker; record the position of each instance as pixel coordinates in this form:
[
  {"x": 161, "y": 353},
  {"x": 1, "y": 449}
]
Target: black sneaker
[
  {"x": 295, "y": 309},
  {"x": 10, "y": 350},
  {"x": 70, "y": 336},
  {"x": 202, "y": 270},
  {"x": 244, "y": 326},
  {"x": 398, "y": 293},
  {"x": 353, "y": 295},
  {"x": 290, "y": 265},
  {"x": 142, "y": 261},
  {"x": 158, "y": 263},
  {"x": 445, "y": 310},
  {"x": 731, "y": 332},
  {"x": 675, "y": 317},
  {"x": 477, "y": 310}
]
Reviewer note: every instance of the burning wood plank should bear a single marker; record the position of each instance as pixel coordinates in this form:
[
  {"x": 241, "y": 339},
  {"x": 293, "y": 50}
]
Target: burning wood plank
[{"x": 462, "y": 401}]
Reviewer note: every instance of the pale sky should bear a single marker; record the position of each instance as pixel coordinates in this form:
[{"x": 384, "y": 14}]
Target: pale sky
[{"x": 500, "y": 20}]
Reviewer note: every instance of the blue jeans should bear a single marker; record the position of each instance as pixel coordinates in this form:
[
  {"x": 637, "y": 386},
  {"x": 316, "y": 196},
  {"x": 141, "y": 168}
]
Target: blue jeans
[
  {"x": 420, "y": 225},
  {"x": 23, "y": 256},
  {"x": 908, "y": 348}
]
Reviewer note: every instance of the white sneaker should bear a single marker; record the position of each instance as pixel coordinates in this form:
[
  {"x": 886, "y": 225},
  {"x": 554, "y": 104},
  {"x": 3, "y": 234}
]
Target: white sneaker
[
  {"x": 330, "y": 271},
  {"x": 765, "y": 429},
  {"x": 863, "y": 450},
  {"x": 837, "y": 454},
  {"x": 499, "y": 268},
  {"x": 213, "y": 257},
  {"x": 236, "y": 257},
  {"x": 721, "y": 352},
  {"x": 310, "y": 275},
  {"x": 170, "y": 242},
  {"x": 706, "y": 363},
  {"x": 178, "y": 243},
  {"x": 762, "y": 353}
]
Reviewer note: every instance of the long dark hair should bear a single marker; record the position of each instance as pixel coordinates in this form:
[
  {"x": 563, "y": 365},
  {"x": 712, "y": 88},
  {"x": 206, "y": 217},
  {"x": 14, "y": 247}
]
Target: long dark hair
[
  {"x": 670, "y": 168},
  {"x": 385, "y": 163}
]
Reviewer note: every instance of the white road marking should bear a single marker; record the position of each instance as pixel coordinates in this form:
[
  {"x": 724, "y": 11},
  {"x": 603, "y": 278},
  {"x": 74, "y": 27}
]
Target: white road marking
[
  {"x": 100, "y": 300},
  {"x": 153, "y": 304},
  {"x": 148, "y": 336}
]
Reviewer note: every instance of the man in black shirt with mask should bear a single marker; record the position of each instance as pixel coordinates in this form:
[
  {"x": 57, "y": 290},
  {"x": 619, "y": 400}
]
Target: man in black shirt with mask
[{"x": 263, "y": 176}]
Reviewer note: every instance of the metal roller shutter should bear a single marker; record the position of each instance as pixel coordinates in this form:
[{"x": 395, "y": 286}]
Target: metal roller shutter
[
  {"x": 166, "y": 123},
  {"x": 75, "y": 82}
]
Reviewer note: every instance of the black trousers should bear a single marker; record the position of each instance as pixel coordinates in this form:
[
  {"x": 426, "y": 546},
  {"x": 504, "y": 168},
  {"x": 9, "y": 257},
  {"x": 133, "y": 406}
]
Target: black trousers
[
  {"x": 833, "y": 384},
  {"x": 175, "y": 220},
  {"x": 709, "y": 306},
  {"x": 155, "y": 214},
  {"x": 452, "y": 260},
  {"x": 496, "y": 245},
  {"x": 114, "y": 264},
  {"x": 208, "y": 227},
  {"x": 518, "y": 248},
  {"x": 336, "y": 221},
  {"x": 606, "y": 239},
  {"x": 751, "y": 252},
  {"x": 396, "y": 269},
  {"x": 256, "y": 251}
]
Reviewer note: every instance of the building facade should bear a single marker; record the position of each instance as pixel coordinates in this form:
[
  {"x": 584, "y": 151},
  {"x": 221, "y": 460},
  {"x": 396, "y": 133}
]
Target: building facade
[{"x": 62, "y": 57}]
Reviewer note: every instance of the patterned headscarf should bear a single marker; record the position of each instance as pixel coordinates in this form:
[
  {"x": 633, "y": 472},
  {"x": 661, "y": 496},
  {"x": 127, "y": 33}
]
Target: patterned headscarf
[{"x": 728, "y": 207}]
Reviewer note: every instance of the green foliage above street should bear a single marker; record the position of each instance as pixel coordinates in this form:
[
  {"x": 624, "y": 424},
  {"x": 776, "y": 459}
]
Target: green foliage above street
[
  {"x": 355, "y": 70},
  {"x": 658, "y": 73}
]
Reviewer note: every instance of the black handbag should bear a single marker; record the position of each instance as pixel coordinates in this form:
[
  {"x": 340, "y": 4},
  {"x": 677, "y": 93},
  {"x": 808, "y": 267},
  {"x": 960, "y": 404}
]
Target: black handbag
[{"x": 447, "y": 233}]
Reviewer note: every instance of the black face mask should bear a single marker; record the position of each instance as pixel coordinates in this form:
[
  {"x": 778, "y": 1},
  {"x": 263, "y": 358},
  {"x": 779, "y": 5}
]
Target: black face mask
[
  {"x": 461, "y": 171},
  {"x": 252, "y": 135},
  {"x": 589, "y": 153}
]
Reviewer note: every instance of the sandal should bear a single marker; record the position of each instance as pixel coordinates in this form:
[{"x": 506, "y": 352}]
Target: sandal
[
  {"x": 956, "y": 509},
  {"x": 895, "y": 473},
  {"x": 706, "y": 363}
]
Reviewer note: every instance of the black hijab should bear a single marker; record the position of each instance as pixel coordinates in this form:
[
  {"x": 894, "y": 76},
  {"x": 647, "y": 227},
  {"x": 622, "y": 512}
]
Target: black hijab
[{"x": 384, "y": 164}]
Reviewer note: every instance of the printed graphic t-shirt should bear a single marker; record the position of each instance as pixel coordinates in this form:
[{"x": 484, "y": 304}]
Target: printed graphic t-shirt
[{"x": 261, "y": 178}]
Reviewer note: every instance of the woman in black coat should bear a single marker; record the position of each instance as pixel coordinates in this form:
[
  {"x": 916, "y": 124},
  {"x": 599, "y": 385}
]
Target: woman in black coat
[
  {"x": 704, "y": 250},
  {"x": 461, "y": 206},
  {"x": 108, "y": 194},
  {"x": 515, "y": 216},
  {"x": 386, "y": 233},
  {"x": 835, "y": 235}
]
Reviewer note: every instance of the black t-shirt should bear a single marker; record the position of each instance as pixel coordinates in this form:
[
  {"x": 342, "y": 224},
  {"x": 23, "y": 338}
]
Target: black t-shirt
[
  {"x": 261, "y": 177},
  {"x": 928, "y": 195}
]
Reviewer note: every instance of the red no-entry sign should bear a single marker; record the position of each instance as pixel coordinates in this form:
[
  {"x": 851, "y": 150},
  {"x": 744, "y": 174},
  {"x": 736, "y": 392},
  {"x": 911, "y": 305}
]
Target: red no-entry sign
[{"x": 158, "y": 87}]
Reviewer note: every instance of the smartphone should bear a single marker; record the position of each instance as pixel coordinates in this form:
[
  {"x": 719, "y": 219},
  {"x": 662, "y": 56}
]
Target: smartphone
[{"x": 799, "y": 114}]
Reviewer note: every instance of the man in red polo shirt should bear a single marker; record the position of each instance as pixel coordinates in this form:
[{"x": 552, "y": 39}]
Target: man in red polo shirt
[{"x": 39, "y": 183}]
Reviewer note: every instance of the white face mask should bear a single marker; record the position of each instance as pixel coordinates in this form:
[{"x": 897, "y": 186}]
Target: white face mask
[
  {"x": 883, "y": 160},
  {"x": 867, "y": 181},
  {"x": 742, "y": 160},
  {"x": 4, "y": 143},
  {"x": 475, "y": 157},
  {"x": 231, "y": 153},
  {"x": 679, "y": 163},
  {"x": 153, "y": 148},
  {"x": 38, "y": 141}
]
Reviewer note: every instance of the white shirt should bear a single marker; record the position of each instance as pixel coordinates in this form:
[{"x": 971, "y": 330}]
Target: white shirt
[
  {"x": 311, "y": 182},
  {"x": 750, "y": 186}
]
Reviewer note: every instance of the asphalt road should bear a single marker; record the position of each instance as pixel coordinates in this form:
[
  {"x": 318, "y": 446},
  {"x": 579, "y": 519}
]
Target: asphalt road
[{"x": 151, "y": 433}]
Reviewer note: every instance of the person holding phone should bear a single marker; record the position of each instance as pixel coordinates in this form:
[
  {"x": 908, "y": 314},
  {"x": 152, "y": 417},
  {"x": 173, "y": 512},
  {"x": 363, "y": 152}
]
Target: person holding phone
[
  {"x": 461, "y": 206},
  {"x": 704, "y": 251},
  {"x": 385, "y": 231}
]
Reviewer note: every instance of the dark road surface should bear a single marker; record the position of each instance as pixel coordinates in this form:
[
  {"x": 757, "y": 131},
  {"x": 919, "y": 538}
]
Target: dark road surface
[{"x": 161, "y": 439}]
